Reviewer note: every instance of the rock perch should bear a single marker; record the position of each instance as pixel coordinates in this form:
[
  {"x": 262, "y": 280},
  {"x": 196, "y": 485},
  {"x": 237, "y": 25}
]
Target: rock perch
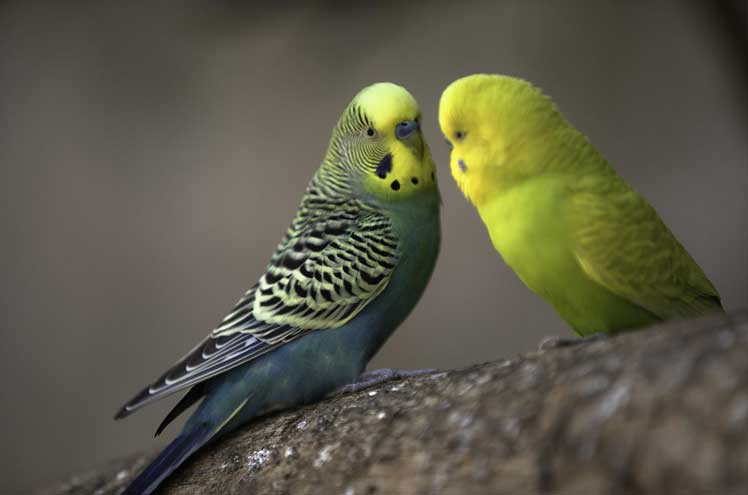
[{"x": 650, "y": 412}]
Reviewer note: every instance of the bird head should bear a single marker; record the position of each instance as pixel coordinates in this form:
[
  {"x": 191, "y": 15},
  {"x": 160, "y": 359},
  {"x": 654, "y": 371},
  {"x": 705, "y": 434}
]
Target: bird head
[
  {"x": 495, "y": 127},
  {"x": 378, "y": 145}
]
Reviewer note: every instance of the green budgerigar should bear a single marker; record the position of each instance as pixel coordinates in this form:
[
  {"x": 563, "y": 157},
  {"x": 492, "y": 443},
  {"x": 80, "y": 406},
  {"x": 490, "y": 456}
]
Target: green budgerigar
[
  {"x": 571, "y": 228},
  {"x": 353, "y": 264}
]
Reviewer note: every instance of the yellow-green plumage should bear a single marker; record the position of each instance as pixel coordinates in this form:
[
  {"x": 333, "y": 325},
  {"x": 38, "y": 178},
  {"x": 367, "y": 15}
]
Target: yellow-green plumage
[{"x": 570, "y": 227}]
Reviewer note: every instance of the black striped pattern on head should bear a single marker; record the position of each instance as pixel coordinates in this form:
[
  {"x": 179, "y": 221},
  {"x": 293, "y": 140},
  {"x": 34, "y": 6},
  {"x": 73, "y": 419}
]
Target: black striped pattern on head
[{"x": 352, "y": 152}]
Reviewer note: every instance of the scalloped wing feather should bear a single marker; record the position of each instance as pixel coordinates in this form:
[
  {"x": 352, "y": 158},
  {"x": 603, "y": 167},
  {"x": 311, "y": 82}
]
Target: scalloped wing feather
[
  {"x": 621, "y": 243},
  {"x": 331, "y": 264}
]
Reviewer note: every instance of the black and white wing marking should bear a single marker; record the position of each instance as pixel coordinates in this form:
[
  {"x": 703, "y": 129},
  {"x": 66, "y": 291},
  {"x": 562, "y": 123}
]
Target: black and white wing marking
[
  {"x": 320, "y": 277},
  {"x": 326, "y": 276}
]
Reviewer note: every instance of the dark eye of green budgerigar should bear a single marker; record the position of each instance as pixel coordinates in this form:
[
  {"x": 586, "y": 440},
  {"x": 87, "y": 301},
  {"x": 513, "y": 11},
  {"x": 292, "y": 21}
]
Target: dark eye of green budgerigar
[{"x": 370, "y": 132}]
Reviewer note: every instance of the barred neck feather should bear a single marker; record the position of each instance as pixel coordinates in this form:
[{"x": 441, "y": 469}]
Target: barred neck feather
[{"x": 369, "y": 159}]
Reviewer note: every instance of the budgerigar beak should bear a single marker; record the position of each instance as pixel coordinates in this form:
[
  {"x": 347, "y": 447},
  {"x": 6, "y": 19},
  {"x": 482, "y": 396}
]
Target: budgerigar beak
[
  {"x": 406, "y": 128},
  {"x": 409, "y": 133}
]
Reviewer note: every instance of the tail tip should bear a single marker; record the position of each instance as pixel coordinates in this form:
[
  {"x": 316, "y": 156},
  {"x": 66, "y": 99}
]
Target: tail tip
[{"x": 123, "y": 412}]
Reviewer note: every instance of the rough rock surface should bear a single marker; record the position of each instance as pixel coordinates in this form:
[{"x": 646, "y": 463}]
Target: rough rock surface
[{"x": 655, "y": 412}]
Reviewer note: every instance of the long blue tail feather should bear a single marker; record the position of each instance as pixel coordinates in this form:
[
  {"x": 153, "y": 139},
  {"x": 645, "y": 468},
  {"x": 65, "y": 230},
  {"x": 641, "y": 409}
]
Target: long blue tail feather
[{"x": 168, "y": 460}]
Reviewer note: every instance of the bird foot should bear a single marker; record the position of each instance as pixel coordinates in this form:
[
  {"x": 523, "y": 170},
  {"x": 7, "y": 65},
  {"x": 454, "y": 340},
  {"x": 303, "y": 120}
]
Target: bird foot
[
  {"x": 369, "y": 379},
  {"x": 555, "y": 342}
]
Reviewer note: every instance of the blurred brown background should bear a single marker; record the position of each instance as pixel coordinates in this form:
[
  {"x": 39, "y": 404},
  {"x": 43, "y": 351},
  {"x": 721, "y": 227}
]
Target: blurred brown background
[{"x": 153, "y": 154}]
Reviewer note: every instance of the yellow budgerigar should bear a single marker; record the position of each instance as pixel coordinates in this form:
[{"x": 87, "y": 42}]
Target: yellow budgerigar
[{"x": 571, "y": 228}]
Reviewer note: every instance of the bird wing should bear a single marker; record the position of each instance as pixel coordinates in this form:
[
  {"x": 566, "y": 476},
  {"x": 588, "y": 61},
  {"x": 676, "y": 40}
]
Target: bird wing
[
  {"x": 322, "y": 275},
  {"x": 622, "y": 244}
]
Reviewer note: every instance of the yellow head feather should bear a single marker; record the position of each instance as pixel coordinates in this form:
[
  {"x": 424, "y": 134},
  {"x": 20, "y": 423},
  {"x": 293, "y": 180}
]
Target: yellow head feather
[
  {"x": 410, "y": 169},
  {"x": 387, "y": 104},
  {"x": 494, "y": 124}
]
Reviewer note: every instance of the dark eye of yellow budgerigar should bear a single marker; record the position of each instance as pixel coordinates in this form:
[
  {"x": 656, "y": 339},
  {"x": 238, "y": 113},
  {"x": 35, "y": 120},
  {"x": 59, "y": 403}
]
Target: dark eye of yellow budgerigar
[{"x": 459, "y": 135}]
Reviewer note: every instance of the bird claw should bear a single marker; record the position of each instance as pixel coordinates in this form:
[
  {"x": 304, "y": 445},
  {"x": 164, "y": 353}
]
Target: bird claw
[
  {"x": 556, "y": 342},
  {"x": 369, "y": 379}
]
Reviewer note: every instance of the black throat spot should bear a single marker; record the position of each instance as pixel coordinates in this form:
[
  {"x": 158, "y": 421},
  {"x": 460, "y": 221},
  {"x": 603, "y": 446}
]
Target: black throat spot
[{"x": 385, "y": 166}]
